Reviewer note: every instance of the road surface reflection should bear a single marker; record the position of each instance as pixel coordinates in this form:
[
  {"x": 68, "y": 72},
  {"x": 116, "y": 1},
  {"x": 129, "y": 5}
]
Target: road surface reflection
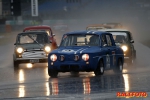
[{"x": 82, "y": 84}]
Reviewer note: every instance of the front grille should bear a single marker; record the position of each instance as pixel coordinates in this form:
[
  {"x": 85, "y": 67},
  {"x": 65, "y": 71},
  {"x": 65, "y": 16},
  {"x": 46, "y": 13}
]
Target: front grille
[
  {"x": 74, "y": 67},
  {"x": 69, "y": 67},
  {"x": 64, "y": 67},
  {"x": 32, "y": 54}
]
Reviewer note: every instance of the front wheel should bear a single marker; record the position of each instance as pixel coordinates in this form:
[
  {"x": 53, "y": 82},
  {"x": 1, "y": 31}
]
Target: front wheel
[
  {"x": 100, "y": 69},
  {"x": 119, "y": 67},
  {"x": 16, "y": 64},
  {"x": 52, "y": 73}
]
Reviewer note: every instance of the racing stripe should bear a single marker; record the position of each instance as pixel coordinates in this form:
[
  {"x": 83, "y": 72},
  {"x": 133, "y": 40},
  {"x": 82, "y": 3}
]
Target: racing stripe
[
  {"x": 78, "y": 50},
  {"x": 83, "y": 50}
]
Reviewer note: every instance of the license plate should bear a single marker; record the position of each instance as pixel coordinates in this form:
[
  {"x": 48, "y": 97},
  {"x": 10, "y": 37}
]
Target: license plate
[{"x": 34, "y": 60}]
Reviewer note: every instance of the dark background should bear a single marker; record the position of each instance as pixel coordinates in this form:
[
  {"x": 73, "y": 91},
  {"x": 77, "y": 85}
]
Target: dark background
[{"x": 134, "y": 15}]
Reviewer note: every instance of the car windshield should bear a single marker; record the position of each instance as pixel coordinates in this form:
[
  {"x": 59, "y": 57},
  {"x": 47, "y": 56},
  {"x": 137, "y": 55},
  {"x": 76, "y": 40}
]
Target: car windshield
[
  {"x": 32, "y": 38},
  {"x": 120, "y": 37},
  {"x": 80, "y": 40},
  {"x": 44, "y": 30}
]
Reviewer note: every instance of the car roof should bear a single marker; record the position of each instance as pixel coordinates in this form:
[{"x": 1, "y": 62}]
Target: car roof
[
  {"x": 97, "y": 25},
  {"x": 88, "y": 32},
  {"x": 107, "y": 30},
  {"x": 34, "y": 32},
  {"x": 37, "y": 27}
]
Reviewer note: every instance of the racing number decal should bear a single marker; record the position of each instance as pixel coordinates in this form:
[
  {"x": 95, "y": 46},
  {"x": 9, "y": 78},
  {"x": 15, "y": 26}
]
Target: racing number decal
[{"x": 107, "y": 61}]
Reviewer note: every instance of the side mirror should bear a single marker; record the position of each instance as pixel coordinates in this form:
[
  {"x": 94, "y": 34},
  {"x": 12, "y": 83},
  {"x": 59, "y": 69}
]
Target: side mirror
[
  {"x": 14, "y": 43},
  {"x": 105, "y": 45},
  {"x": 132, "y": 41},
  {"x": 50, "y": 41},
  {"x": 53, "y": 34}
]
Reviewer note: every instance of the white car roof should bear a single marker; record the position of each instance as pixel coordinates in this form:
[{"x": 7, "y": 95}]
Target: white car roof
[{"x": 112, "y": 30}]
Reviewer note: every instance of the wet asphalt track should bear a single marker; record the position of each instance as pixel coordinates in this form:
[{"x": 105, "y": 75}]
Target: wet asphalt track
[{"x": 34, "y": 83}]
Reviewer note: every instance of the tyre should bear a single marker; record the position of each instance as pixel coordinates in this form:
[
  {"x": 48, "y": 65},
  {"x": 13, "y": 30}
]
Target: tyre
[
  {"x": 16, "y": 64},
  {"x": 52, "y": 73},
  {"x": 100, "y": 68},
  {"x": 119, "y": 67}
]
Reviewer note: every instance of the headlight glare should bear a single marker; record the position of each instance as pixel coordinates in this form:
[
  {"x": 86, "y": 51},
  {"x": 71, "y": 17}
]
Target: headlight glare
[
  {"x": 85, "y": 57},
  {"x": 53, "y": 57},
  {"x": 125, "y": 48},
  {"x": 19, "y": 50},
  {"x": 47, "y": 49}
]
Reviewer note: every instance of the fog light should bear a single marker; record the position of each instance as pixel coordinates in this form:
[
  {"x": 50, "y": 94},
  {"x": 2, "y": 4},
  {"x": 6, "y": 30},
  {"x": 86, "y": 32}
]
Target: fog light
[
  {"x": 52, "y": 63},
  {"x": 87, "y": 62},
  {"x": 20, "y": 56}
]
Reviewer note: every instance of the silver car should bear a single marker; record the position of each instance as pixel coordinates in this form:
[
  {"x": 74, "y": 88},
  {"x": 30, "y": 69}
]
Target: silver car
[{"x": 31, "y": 47}]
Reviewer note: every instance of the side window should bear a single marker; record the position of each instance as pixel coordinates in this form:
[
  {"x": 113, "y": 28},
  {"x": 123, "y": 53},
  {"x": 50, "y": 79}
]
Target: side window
[
  {"x": 109, "y": 42},
  {"x": 103, "y": 40}
]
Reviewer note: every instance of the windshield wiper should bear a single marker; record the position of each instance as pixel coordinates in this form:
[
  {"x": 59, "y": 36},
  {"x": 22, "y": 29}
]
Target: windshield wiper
[
  {"x": 84, "y": 44},
  {"x": 35, "y": 41},
  {"x": 118, "y": 42}
]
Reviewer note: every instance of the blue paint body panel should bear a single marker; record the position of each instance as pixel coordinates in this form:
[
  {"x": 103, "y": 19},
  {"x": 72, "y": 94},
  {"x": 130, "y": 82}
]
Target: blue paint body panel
[{"x": 108, "y": 54}]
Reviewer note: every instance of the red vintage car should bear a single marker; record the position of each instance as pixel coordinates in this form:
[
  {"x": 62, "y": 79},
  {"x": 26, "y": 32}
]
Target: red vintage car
[{"x": 44, "y": 28}]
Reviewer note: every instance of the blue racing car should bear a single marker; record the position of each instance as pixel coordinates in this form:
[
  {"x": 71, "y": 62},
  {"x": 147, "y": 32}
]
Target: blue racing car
[{"x": 86, "y": 51}]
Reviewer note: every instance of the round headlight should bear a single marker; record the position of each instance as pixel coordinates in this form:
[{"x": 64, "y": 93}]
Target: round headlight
[
  {"x": 19, "y": 50},
  {"x": 85, "y": 57},
  {"x": 47, "y": 49},
  {"x": 53, "y": 57},
  {"x": 125, "y": 48},
  {"x": 76, "y": 57}
]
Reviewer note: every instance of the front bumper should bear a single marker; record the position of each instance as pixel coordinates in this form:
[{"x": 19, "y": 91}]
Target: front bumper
[
  {"x": 28, "y": 60},
  {"x": 70, "y": 66}
]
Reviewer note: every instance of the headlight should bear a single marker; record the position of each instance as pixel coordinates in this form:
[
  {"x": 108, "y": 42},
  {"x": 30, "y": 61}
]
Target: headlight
[
  {"x": 85, "y": 57},
  {"x": 19, "y": 50},
  {"x": 76, "y": 57},
  {"x": 125, "y": 48},
  {"x": 53, "y": 57},
  {"x": 47, "y": 49}
]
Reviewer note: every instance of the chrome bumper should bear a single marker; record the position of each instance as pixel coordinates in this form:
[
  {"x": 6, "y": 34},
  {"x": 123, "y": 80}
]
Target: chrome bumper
[{"x": 30, "y": 58}]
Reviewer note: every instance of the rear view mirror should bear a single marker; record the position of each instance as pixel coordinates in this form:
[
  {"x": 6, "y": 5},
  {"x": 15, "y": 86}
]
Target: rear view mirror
[{"x": 132, "y": 41}]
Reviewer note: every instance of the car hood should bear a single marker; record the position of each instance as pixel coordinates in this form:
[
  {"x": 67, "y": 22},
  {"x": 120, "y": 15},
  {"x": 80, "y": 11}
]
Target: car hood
[
  {"x": 76, "y": 50},
  {"x": 121, "y": 44},
  {"x": 31, "y": 46}
]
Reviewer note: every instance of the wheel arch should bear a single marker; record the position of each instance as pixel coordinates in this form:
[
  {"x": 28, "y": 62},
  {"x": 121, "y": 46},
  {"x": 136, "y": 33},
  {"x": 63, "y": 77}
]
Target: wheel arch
[{"x": 100, "y": 58}]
